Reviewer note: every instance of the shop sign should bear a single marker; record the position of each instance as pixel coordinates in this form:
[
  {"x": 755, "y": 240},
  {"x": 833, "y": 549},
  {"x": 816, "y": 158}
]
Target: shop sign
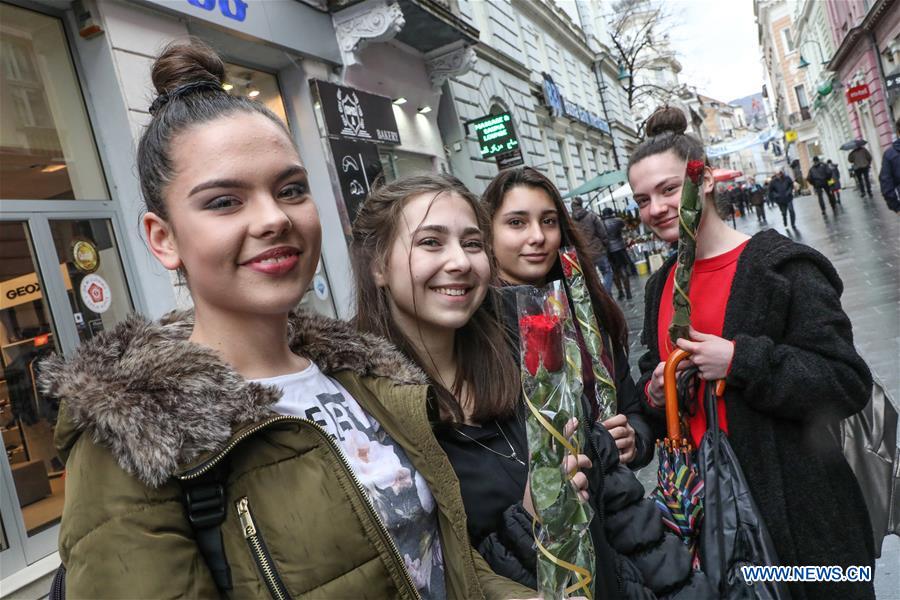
[
  {"x": 358, "y": 168},
  {"x": 496, "y": 134},
  {"x": 510, "y": 159},
  {"x": 26, "y": 288},
  {"x": 231, "y": 9},
  {"x": 321, "y": 287},
  {"x": 290, "y": 25},
  {"x": 85, "y": 256},
  {"x": 95, "y": 293},
  {"x": 560, "y": 107},
  {"x": 892, "y": 82},
  {"x": 356, "y": 115},
  {"x": 857, "y": 93},
  {"x": 791, "y": 135}
]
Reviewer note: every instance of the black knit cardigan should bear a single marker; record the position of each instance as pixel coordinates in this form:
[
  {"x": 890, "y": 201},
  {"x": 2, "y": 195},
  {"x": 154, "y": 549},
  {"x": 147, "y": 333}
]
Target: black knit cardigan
[{"x": 795, "y": 372}]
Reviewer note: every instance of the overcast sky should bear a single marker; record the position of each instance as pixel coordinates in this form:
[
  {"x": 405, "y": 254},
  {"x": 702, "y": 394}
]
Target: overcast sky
[{"x": 718, "y": 47}]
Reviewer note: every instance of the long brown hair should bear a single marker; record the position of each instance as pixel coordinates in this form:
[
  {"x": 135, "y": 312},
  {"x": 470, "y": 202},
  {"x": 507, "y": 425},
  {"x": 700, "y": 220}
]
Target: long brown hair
[
  {"x": 481, "y": 348},
  {"x": 605, "y": 308}
]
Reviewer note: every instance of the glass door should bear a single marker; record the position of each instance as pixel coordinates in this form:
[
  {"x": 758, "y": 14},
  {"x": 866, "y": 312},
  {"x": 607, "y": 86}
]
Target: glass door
[{"x": 62, "y": 282}]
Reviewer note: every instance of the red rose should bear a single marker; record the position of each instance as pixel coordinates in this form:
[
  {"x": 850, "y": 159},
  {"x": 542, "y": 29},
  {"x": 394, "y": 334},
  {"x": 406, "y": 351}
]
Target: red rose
[
  {"x": 543, "y": 342},
  {"x": 695, "y": 170}
]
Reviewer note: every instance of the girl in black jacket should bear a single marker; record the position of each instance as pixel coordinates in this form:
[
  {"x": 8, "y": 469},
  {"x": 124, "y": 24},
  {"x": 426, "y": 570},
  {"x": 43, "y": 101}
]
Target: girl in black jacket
[
  {"x": 421, "y": 249},
  {"x": 785, "y": 349}
]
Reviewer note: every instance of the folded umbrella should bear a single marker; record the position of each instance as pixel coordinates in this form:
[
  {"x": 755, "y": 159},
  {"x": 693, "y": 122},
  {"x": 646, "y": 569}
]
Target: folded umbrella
[{"x": 733, "y": 533}]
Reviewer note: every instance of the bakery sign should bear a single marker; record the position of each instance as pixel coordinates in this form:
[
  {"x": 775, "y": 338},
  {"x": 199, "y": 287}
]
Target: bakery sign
[{"x": 353, "y": 114}]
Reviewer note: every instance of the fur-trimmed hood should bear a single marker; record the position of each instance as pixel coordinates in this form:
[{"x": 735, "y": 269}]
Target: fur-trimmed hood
[{"x": 159, "y": 401}]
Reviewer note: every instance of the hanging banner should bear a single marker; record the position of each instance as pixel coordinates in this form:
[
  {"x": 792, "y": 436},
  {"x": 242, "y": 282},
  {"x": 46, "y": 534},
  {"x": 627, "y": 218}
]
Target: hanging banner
[{"x": 748, "y": 141}]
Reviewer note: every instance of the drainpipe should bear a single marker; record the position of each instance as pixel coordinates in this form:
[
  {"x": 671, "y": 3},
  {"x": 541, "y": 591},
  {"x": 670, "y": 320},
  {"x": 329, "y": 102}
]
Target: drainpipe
[{"x": 601, "y": 87}]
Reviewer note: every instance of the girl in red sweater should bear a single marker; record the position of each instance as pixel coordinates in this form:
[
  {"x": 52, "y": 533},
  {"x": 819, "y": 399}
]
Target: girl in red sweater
[{"x": 766, "y": 318}]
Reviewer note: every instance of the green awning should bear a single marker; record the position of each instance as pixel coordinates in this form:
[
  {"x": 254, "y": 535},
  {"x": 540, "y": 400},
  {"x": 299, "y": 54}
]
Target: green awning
[{"x": 604, "y": 180}]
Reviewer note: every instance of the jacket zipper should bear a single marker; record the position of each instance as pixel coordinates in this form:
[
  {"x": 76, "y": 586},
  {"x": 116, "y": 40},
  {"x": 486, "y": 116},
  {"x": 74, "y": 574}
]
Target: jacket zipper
[
  {"x": 260, "y": 552},
  {"x": 386, "y": 536}
]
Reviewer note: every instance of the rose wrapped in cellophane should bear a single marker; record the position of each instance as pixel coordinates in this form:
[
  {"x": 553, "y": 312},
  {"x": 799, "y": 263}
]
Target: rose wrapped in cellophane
[
  {"x": 586, "y": 321},
  {"x": 551, "y": 382}
]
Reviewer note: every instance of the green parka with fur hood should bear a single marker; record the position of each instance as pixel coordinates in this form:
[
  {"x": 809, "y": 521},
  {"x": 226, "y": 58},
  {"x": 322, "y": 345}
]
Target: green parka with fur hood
[{"x": 142, "y": 406}]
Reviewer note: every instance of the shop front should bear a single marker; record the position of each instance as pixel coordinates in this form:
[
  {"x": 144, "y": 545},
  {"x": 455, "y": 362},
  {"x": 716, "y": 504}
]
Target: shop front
[
  {"x": 74, "y": 93},
  {"x": 63, "y": 276}
]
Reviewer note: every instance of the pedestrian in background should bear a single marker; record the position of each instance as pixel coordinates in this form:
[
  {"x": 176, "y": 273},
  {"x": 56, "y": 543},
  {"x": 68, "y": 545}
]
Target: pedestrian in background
[
  {"x": 767, "y": 319},
  {"x": 769, "y": 201},
  {"x": 594, "y": 235},
  {"x": 781, "y": 191},
  {"x": 618, "y": 255},
  {"x": 835, "y": 181},
  {"x": 861, "y": 161},
  {"x": 757, "y": 200},
  {"x": 818, "y": 177},
  {"x": 889, "y": 178}
]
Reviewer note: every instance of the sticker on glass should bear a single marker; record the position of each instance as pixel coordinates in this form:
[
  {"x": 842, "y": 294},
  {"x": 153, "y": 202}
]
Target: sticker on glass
[{"x": 96, "y": 293}]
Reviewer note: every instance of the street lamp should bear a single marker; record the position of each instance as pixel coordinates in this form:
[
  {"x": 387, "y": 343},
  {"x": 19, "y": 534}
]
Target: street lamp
[
  {"x": 805, "y": 63},
  {"x": 624, "y": 74}
]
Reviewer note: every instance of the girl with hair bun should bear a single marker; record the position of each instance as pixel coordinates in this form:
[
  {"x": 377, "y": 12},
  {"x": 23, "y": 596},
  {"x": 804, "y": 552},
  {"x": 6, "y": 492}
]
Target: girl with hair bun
[
  {"x": 241, "y": 449},
  {"x": 767, "y": 319}
]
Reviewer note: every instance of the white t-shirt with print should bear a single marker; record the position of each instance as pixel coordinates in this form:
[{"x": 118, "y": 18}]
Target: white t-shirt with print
[{"x": 399, "y": 494}]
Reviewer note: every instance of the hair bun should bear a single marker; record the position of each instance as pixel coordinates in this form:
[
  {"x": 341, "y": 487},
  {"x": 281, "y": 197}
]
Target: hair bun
[
  {"x": 183, "y": 63},
  {"x": 666, "y": 119}
]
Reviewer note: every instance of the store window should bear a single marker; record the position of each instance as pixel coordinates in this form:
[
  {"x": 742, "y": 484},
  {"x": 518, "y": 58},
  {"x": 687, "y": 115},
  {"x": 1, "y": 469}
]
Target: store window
[
  {"x": 263, "y": 87},
  {"x": 397, "y": 163},
  {"x": 47, "y": 149},
  {"x": 27, "y": 335},
  {"x": 256, "y": 85}
]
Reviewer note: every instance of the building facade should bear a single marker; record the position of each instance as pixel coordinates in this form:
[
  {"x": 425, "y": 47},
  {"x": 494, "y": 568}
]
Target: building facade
[
  {"x": 536, "y": 62},
  {"x": 866, "y": 36},
  {"x": 812, "y": 35},
  {"x": 786, "y": 84}
]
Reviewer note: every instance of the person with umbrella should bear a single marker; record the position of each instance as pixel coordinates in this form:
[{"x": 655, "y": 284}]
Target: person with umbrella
[
  {"x": 767, "y": 319},
  {"x": 861, "y": 160}
]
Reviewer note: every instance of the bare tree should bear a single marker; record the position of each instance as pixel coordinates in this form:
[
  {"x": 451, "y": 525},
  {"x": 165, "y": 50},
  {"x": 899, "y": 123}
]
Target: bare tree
[{"x": 639, "y": 31}]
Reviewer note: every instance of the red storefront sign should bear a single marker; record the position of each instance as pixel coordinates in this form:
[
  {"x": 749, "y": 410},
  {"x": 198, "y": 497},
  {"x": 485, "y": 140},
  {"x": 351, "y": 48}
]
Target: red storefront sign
[{"x": 857, "y": 93}]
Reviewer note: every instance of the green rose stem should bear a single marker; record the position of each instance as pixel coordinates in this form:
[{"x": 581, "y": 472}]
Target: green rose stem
[
  {"x": 586, "y": 321},
  {"x": 551, "y": 382},
  {"x": 689, "y": 214}
]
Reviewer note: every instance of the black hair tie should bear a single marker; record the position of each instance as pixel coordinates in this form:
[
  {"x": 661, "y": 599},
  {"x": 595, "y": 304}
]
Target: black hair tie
[{"x": 181, "y": 91}]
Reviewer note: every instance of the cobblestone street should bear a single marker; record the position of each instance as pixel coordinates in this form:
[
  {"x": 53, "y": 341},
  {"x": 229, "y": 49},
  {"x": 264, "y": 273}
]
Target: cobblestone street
[{"x": 863, "y": 243}]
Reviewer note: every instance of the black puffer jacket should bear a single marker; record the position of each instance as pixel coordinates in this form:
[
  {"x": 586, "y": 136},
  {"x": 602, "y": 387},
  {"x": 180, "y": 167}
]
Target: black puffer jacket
[{"x": 636, "y": 557}]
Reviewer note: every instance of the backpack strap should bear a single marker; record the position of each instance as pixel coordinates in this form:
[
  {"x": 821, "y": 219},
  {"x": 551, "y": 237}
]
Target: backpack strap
[{"x": 204, "y": 505}]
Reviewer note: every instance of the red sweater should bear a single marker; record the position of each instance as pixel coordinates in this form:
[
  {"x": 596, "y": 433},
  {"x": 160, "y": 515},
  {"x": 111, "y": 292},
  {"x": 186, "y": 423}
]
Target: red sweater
[{"x": 710, "y": 289}]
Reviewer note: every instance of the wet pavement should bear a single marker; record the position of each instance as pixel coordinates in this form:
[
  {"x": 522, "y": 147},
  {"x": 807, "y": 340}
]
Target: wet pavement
[{"x": 863, "y": 243}]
